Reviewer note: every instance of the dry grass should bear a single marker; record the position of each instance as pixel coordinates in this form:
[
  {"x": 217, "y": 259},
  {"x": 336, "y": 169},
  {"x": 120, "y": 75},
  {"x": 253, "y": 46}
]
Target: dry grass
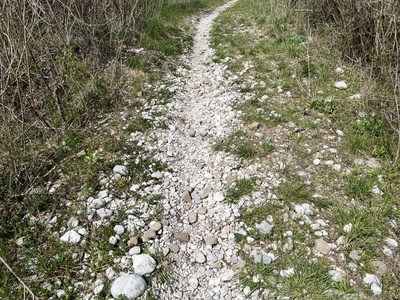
[
  {"x": 56, "y": 76},
  {"x": 367, "y": 33}
]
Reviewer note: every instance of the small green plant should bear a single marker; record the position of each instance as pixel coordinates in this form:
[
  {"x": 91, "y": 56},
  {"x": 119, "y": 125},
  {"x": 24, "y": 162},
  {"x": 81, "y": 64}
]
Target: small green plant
[
  {"x": 245, "y": 150},
  {"x": 309, "y": 279},
  {"x": 360, "y": 185},
  {"x": 243, "y": 187},
  {"x": 295, "y": 191},
  {"x": 326, "y": 106},
  {"x": 374, "y": 126}
]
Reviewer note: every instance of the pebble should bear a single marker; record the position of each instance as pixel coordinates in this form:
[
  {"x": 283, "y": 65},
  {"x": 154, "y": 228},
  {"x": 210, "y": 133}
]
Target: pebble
[
  {"x": 264, "y": 227},
  {"x": 174, "y": 248},
  {"x": 149, "y": 234},
  {"x": 183, "y": 237},
  {"x": 227, "y": 275},
  {"x": 156, "y": 226},
  {"x": 211, "y": 240},
  {"x": 192, "y": 217},
  {"x": 119, "y": 229},
  {"x": 340, "y": 85},
  {"x": 199, "y": 257}
]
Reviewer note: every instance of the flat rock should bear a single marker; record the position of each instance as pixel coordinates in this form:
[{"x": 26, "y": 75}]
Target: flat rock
[
  {"x": 355, "y": 255},
  {"x": 143, "y": 264},
  {"x": 182, "y": 236},
  {"x": 231, "y": 178},
  {"x": 264, "y": 227},
  {"x": 128, "y": 286},
  {"x": 104, "y": 213},
  {"x": 211, "y": 240},
  {"x": 322, "y": 246},
  {"x": 379, "y": 267},
  {"x": 227, "y": 275},
  {"x": 174, "y": 248}
]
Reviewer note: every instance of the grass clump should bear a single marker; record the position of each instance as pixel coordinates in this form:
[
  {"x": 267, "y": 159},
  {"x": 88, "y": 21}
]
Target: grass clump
[{"x": 243, "y": 187}]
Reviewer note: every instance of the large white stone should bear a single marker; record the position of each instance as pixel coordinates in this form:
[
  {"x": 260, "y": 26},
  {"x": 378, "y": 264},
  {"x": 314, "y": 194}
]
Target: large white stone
[
  {"x": 143, "y": 264},
  {"x": 129, "y": 286},
  {"x": 71, "y": 236}
]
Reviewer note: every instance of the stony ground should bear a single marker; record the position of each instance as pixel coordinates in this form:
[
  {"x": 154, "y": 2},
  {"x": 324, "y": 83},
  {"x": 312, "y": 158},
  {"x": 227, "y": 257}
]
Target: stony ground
[{"x": 192, "y": 228}]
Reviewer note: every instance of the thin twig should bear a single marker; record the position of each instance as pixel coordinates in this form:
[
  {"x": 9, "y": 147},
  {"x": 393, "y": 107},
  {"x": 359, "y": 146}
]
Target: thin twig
[{"x": 19, "y": 279}]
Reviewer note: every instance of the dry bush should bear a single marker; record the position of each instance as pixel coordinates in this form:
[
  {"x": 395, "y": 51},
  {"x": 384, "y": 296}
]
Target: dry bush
[{"x": 53, "y": 54}]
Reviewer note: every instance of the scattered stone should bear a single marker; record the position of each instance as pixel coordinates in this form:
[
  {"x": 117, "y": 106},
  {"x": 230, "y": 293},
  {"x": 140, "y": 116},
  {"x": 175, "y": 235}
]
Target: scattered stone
[
  {"x": 192, "y": 217},
  {"x": 211, "y": 240},
  {"x": 391, "y": 242},
  {"x": 133, "y": 241},
  {"x": 348, "y": 227},
  {"x": 156, "y": 226},
  {"x": 339, "y": 71},
  {"x": 143, "y": 264},
  {"x": 287, "y": 273},
  {"x": 231, "y": 179},
  {"x": 104, "y": 213},
  {"x": 149, "y": 234},
  {"x": 199, "y": 257},
  {"x": 110, "y": 273},
  {"x": 337, "y": 276},
  {"x": 186, "y": 196},
  {"x": 264, "y": 227},
  {"x": 182, "y": 236},
  {"x": 193, "y": 282},
  {"x": 227, "y": 275},
  {"x": 71, "y": 237},
  {"x": 174, "y": 248},
  {"x": 119, "y": 169},
  {"x": 316, "y": 161},
  {"x": 202, "y": 210},
  {"x": 134, "y": 250},
  {"x": 119, "y": 229},
  {"x": 219, "y": 196},
  {"x": 128, "y": 286},
  {"x": 113, "y": 240},
  {"x": 192, "y": 133},
  {"x": 157, "y": 175},
  {"x": 379, "y": 267},
  {"x": 254, "y": 126},
  {"x": 375, "y": 283},
  {"x": 322, "y": 246},
  {"x": 340, "y": 85},
  {"x": 205, "y": 193},
  {"x": 355, "y": 255}
]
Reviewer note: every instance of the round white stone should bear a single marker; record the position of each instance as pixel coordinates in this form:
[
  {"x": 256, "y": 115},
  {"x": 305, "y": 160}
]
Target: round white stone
[
  {"x": 143, "y": 264},
  {"x": 128, "y": 286}
]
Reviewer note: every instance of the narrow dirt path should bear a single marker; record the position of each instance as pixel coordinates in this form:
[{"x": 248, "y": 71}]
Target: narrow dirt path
[{"x": 198, "y": 233}]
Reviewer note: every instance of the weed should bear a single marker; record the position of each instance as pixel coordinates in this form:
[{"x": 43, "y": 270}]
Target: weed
[
  {"x": 327, "y": 106},
  {"x": 295, "y": 191},
  {"x": 360, "y": 186},
  {"x": 243, "y": 187}
]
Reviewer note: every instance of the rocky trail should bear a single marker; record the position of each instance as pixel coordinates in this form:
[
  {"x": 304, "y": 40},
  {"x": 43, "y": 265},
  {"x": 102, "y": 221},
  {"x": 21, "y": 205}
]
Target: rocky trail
[{"x": 182, "y": 229}]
